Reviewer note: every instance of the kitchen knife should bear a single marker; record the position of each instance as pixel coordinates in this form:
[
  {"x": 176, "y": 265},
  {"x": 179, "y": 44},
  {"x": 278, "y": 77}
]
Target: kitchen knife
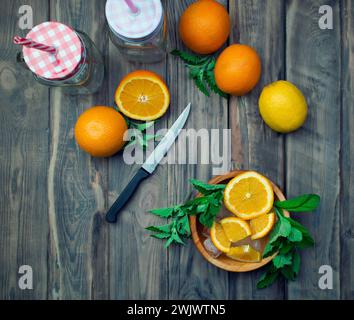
[{"x": 149, "y": 166}]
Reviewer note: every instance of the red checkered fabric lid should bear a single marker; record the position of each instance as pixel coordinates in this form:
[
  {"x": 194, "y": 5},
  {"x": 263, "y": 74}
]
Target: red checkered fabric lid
[
  {"x": 68, "y": 45},
  {"x": 134, "y": 26}
]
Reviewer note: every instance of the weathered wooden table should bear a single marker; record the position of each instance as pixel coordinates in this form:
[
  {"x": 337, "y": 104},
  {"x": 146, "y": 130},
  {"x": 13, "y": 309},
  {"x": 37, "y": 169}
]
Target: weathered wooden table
[{"x": 54, "y": 196}]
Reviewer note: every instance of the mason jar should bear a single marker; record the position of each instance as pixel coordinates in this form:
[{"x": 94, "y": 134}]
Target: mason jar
[
  {"x": 77, "y": 68},
  {"x": 138, "y": 29}
]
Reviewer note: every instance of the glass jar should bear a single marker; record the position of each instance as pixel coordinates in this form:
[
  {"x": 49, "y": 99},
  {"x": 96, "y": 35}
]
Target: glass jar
[
  {"x": 86, "y": 78},
  {"x": 142, "y": 35}
]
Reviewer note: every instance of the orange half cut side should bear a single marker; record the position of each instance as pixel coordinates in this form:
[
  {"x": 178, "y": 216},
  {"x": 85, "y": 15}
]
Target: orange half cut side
[{"x": 142, "y": 95}]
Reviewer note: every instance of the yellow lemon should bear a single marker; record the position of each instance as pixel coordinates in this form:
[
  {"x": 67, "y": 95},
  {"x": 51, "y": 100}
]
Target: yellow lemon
[{"x": 283, "y": 106}]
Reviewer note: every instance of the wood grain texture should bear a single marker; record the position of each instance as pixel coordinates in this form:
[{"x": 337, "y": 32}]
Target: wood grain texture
[
  {"x": 347, "y": 152},
  {"x": 190, "y": 276},
  {"x": 23, "y": 163},
  {"x": 138, "y": 263},
  {"x": 259, "y": 24},
  {"x": 313, "y": 64},
  {"x": 77, "y": 183}
]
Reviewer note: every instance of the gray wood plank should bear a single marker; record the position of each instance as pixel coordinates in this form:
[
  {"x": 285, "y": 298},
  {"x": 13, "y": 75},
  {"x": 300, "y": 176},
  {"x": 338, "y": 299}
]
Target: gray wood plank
[
  {"x": 138, "y": 263},
  {"x": 347, "y": 169},
  {"x": 313, "y": 64},
  {"x": 77, "y": 183},
  {"x": 259, "y": 24},
  {"x": 190, "y": 275},
  {"x": 23, "y": 162}
]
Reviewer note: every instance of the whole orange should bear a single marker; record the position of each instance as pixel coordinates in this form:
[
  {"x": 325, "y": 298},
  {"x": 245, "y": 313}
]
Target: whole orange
[
  {"x": 237, "y": 69},
  {"x": 204, "y": 26},
  {"x": 100, "y": 131}
]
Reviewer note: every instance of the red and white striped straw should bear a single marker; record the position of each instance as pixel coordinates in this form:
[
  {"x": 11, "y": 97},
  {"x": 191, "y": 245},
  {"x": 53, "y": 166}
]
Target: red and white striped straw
[
  {"x": 133, "y": 8},
  {"x": 35, "y": 45}
]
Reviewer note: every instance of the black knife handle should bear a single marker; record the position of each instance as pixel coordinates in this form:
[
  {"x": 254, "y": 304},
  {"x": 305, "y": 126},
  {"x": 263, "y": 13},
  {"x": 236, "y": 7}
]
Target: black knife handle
[{"x": 123, "y": 198}]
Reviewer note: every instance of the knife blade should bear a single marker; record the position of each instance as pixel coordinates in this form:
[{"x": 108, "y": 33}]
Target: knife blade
[{"x": 149, "y": 165}]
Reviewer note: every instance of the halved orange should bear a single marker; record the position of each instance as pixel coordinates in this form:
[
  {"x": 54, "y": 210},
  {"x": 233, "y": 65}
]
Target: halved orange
[
  {"x": 244, "y": 253},
  {"x": 219, "y": 238},
  {"x": 249, "y": 195},
  {"x": 142, "y": 95},
  {"x": 262, "y": 225},
  {"x": 235, "y": 228}
]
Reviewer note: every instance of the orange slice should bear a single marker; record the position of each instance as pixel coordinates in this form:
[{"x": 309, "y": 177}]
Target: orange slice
[
  {"x": 142, "y": 95},
  {"x": 249, "y": 195},
  {"x": 244, "y": 253},
  {"x": 219, "y": 238},
  {"x": 262, "y": 225},
  {"x": 235, "y": 229}
]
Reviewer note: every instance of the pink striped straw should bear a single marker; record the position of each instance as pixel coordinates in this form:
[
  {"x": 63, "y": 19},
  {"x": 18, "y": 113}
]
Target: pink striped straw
[
  {"x": 132, "y": 6},
  {"x": 35, "y": 45}
]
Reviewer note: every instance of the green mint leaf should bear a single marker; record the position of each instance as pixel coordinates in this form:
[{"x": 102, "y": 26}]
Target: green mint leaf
[
  {"x": 288, "y": 273},
  {"x": 299, "y": 226},
  {"x": 268, "y": 278},
  {"x": 201, "y": 70},
  {"x": 188, "y": 58},
  {"x": 205, "y": 188},
  {"x": 269, "y": 250},
  {"x": 203, "y": 207},
  {"x": 214, "y": 204},
  {"x": 206, "y": 207},
  {"x": 176, "y": 238},
  {"x": 296, "y": 263},
  {"x": 163, "y": 212},
  {"x": 200, "y": 84},
  {"x": 169, "y": 241},
  {"x": 141, "y": 126},
  {"x": 160, "y": 235},
  {"x": 286, "y": 247},
  {"x": 148, "y": 137},
  {"x": 161, "y": 229},
  {"x": 207, "y": 218},
  {"x": 280, "y": 214},
  {"x": 306, "y": 202},
  {"x": 194, "y": 71},
  {"x": 210, "y": 80},
  {"x": 183, "y": 227},
  {"x": 139, "y": 135},
  {"x": 306, "y": 242},
  {"x": 282, "y": 260},
  {"x": 295, "y": 235},
  {"x": 211, "y": 65},
  {"x": 282, "y": 228}
]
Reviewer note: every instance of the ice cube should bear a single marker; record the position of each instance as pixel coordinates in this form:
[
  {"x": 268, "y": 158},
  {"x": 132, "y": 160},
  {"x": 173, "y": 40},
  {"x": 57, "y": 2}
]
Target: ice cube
[
  {"x": 223, "y": 213},
  {"x": 241, "y": 242},
  {"x": 257, "y": 245},
  {"x": 205, "y": 232},
  {"x": 209, "y": 246}
]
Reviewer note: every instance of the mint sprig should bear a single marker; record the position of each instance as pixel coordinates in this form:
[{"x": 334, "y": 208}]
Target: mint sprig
[
  {"x": 201, "y": 70},
  {"x": 205, "y": 207},
  {"x": 287, "y": 238},
  {"x": 139, "y": 135}
]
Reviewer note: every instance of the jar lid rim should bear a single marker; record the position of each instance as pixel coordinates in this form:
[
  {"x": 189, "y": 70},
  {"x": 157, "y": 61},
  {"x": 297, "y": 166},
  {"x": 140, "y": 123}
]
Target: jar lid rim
[{"x": 131, "y": 26}]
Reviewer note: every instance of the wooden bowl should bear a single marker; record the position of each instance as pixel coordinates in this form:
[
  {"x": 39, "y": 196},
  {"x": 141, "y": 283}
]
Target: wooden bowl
[{"x": 223, "y": 261}]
